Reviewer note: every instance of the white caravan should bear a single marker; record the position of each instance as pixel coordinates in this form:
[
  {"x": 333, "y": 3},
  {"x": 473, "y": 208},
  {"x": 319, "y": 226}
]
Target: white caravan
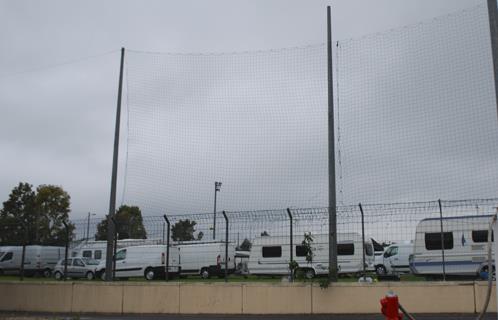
[
  {"x": 396, "y": 258},
  {"x": 205, "y": 258},
  {"x": 147, "y": 261},
  {"x": 271, "y": 255},
  {"x": 38, "y": 260},
  {"x": 465, "y": 246},
  {"x": 97, "y": 249}
]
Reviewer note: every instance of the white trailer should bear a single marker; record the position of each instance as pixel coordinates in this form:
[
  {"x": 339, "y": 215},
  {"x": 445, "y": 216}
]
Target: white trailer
[
  {"x": 147, "y": 261},
  {"x": 205, "y": 258},
  {"x": 38, "y": 260},
  {"x": 270, "y": 255},
  {"x": 465, "y": 246}
]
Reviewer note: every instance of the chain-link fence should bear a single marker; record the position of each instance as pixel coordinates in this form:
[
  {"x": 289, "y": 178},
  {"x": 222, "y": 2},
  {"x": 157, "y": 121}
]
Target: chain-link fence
[{"x": 434, "y": 238}]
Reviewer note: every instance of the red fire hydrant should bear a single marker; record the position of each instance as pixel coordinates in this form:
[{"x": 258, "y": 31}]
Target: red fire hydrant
[{"x": 390, "y": 306}]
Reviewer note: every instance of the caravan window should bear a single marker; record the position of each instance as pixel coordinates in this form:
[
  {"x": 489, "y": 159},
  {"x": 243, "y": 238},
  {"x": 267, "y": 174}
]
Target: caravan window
[
  {"x": 482, "y": 236},
  {"x": 7, "y": 256},
  {"x": 97, "y": 255},
  {"x": 87, "y": 254},
  {"x": 433, "y": 240},
  {"x": 345, "y": 249},
  {"x": 300, "y": 251},
  {"x": 272, "y": 252}
]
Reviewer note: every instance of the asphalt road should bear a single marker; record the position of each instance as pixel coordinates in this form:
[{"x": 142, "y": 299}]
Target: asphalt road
[{"x": 18, "y": 316}]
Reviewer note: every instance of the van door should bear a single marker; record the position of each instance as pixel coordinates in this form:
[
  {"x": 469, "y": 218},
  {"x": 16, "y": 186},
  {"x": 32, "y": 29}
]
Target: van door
[
  {"x": 391, "y": 259},
  {"x": 78, "y": 268},
  {"x": 121, "y": 264}
]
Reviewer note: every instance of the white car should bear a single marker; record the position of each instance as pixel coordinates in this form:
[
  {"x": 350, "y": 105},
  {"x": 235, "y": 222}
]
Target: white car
[
  {"x": 76, "y": 268},
  {"x": 396, "y": 258}
]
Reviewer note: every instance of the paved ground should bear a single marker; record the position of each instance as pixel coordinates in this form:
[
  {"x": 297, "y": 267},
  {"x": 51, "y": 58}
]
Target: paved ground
[{"x": 18, "y": 316}]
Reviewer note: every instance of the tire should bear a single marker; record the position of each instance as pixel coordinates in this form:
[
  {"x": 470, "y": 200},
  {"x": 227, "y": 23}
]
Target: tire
[
  {"x": 380, "y": 270},
  {"x": 205, "y": 273},
  {"x": 149, "y": 274},
  {"x": 309, "y": 273},
  {"x": 58, "y": 275},
  {"x": 89, "y": 275},
  {"x": 47, "y": 273}
]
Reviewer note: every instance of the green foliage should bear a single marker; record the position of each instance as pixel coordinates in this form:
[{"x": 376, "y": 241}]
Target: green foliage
[
  {"x": 307, "y": 247},
  {"x": 246, "y": 245},
  {"x": 36, "y": 217},
  {"x": 183, "y": 230},
  {"x": 324, "y": 283},
  {"x": 129, "y": 224}
]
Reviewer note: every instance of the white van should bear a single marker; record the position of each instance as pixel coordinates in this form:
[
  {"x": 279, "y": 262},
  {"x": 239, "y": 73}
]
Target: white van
[
  {"x": 271, "y": 255},
  {"x": 97, "y": 249},
  {"x": 205, "y": 258},
  {"x": 396, "y": 258},
  {"x": 465, "y": 246},
  {"x": 38, "y": 260},
  {"x": 142, "y": 261}
]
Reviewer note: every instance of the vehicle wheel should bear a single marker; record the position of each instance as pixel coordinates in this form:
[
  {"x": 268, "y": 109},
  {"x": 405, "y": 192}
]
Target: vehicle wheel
[
  {"x": 58, "y": 275},
  {"x": 90, "y": 275},
  {"x": 380, "y": 270},
  {"x": 309, "y": 273},
  {"x": 205, "y": 273},
  {"x": 47, "y": 273},
  {"x": 149, "y": 274},
  {"x": 102, "y": 275}
]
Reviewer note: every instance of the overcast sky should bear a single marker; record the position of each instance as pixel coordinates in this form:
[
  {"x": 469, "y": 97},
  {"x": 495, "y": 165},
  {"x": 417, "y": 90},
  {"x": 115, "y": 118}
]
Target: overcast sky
[{"x": 56, "y": 124}]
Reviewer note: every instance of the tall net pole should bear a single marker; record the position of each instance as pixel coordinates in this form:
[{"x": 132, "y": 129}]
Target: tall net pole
[
  {"x": 493, "y": 16},
  {"x": 112, "y": 201},
  {"x": 331, "y": 160}
]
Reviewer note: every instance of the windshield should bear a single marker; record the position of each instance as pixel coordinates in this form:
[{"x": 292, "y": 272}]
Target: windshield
[{"x": 91, "y": 261}]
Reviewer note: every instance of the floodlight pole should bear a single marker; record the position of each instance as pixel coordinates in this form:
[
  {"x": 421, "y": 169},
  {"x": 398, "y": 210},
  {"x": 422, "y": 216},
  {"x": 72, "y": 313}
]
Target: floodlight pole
[
  {"x": 112, "y": 201},
  {"x": 217, "y": 187},
  {"x": 331, "y": 157}
]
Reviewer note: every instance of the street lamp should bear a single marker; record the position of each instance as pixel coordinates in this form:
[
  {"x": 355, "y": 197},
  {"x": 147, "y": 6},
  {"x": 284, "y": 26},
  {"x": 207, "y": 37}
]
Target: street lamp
[
  {"x": 88, "y": 225},
  {"x": 217, "y": 187}
]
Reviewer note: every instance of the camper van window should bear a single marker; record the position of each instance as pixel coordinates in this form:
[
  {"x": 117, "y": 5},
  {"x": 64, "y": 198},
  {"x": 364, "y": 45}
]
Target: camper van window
[
  {"x": 97, "y": 254},
  {"x": 87, "y": 254},
  {"x": 272, "y": 252},
  {"x": 121, "y": 255},
  {"x": 482, "y": 236},
  {"x": 7, "y": 256},
  {"x": 300, "y": 251},
  {"x": 433, "y": 240},
  {"x": 345, "y": 249}
]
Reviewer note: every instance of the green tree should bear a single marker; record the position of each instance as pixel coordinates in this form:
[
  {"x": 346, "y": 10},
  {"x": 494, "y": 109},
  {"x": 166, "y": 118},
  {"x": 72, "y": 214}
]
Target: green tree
[
  {"x": 129, "y": 224},
  {"x": 183, "y": 230},
  {"x": 35, "y": 217}
]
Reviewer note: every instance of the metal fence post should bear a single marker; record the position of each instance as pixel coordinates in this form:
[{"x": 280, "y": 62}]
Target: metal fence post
[
  {"x": 167, "y": 247},
  {"x": 363, "y": 239},
  {"x": 226, "y": 245},
  {"x": 66, "y": 249},
  {"x": 442, "y": 238},
  {"x": 115, "y": 246},
  {"x": 25, "y": 236},
  {"x": 290, "y": 247}
]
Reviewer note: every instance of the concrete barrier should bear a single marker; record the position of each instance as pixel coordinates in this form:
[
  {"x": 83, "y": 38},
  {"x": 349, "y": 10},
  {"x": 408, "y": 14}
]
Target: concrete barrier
[
  {"x": 436, "y": 297},
  {"x": 481, "y": 288},
  {"x": 97, "y": 297},
  {"x": 348, "y": 298},
  {"x": 276, "y": 299},
  {"x": 40, "y": 297},
  {"x": 211, "y": 298},
  {"x": 239, "y": 298},
  {"x": 151, "y": 298}
]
